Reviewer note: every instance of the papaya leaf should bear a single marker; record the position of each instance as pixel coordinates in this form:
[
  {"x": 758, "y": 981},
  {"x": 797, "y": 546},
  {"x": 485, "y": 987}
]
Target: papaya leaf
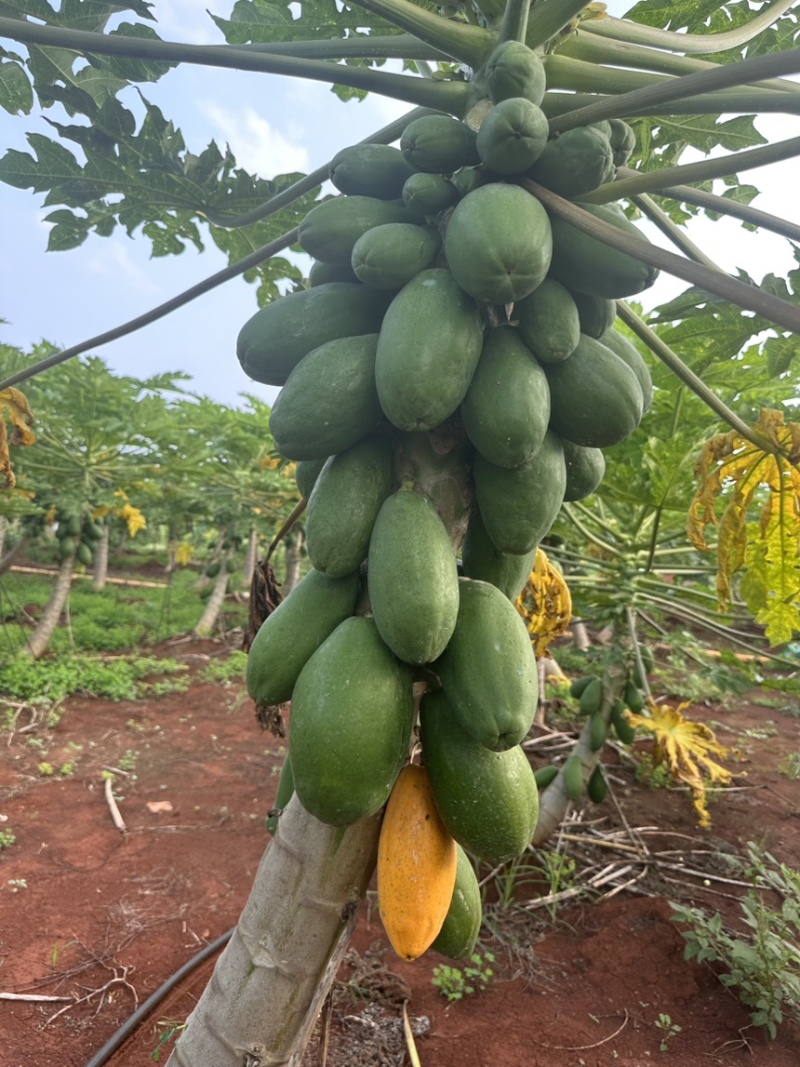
[
  {"x": 742, "y": 478},
  {"x": 545, "y": 603},
  {"x": 685, "y": 748}
]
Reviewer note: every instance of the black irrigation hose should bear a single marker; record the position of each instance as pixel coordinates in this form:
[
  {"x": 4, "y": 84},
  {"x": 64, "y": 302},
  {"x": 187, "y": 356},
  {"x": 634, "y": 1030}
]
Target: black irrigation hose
[{"x": 120, "y": 1035}]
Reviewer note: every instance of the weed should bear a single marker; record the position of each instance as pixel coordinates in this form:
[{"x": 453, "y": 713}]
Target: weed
[
  {"x": 168, "y": 1030},
  {"x": 560, "y": 873},
  {"x": 763, "y": 966},
  {"x": 47, "y": 770},
  {"x": 668, "y": 1029},
  {"x": 455, "y": 984},
  {"x": 127, "y": 761},
  {"x": 66, "y": 770},
  {"x": 791, "y": 766},
  {"x": 230, "y": 669},
  {"x": 7, "y": 838},
  {"x": 653, "y": 775}
]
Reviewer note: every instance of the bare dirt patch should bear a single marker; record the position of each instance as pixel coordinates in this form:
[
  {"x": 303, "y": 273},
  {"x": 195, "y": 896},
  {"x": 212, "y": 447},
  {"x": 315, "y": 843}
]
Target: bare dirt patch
[{"x": 90, "y": 912}]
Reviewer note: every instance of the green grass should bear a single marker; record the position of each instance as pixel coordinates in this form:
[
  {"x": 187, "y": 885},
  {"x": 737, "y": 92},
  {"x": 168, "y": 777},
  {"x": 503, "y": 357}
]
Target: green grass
[
  {"x": 50, "y": 680},
  {"x": 114, "y": 619}
]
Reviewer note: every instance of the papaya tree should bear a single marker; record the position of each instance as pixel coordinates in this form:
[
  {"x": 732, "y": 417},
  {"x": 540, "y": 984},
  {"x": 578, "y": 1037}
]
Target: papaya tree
[{"x": 478, "y": 270}]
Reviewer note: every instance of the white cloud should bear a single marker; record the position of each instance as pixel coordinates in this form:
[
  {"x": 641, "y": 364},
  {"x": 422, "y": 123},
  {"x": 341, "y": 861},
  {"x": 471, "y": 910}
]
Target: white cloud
[
  {"x": 188, "y": 21},
  {"x": 257, "y": 145},
  {"x": 115, "y": 257}
]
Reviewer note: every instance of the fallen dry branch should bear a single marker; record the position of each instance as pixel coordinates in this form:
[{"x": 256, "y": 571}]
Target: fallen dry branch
[
  {"x": 116, "y": 818},
  {"x": 89, "y": 577}
]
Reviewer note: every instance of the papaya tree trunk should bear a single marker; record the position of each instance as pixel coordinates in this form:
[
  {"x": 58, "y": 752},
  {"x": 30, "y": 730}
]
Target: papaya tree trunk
[
  {"x": 251, "y": 557},
  {"x": 209, "y": 617},
  {"x": 40, "y": 638},
  {"x": 270, "y": 982},
  {"x": 3, "y": 528},
  {"x": 14, "y": 553},
  {"x": 294, "y": 557},
  {"x": 101, "y": 560}
]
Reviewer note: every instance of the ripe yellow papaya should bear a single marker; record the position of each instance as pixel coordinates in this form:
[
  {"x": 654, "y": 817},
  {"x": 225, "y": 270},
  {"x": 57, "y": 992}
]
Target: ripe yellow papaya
[{"x": 417, "y": 865}]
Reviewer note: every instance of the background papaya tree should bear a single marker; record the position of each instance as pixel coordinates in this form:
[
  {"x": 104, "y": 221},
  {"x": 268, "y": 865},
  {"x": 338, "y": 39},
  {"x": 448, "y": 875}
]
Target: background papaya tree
[{"x": 597, "y": 68}]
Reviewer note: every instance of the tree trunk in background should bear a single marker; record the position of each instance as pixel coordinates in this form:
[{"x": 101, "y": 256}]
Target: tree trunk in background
[
  {"x": 294, "y": 558},
  {"x": 123, "y": 543},
  {"x": 101, "y": 560},
  {"x": 251, "y": 558},
  {"x": 270, "y": 982},
  {"x": 209, "y": 617},
  {"x": 40, "y": 638},
  {"x": 3, "y": 528},
  {"x": 172, "y": 551},
  {"x": 13, "y": 553}
]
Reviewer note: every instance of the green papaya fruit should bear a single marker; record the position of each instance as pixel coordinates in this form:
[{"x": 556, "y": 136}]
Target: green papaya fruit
[
  {"x": 572, "y": 777},
  {"x": 598, "y": 730},
  {"x": 323, "y": 273},
  {"x": 213, "y": 569},
  {"x": 488, "y": 669},
  {"x": 275, "y": 339},
  {"x": 352, "y": 714},
  {"x": 587, "y": 265},
  {"x": 283, "y": 796},
  {"x": 429, "y": 346},
  {"x": 549, "y": 322},
  {"x": 413, "y": 578},
  {"x": 623, "y": 729},
  {"x": 344, "y": 504},
  {"x": 67, "y": 547},
  {"x": 289, "y": 636},
  {"x": 306, "y": 473},
  {"x": 623, "y": 141},
  {"x": 462, "y": 924},
  {"x": 330, "y": 229},
  {"x": 488, "y": 800},
  {"x": 597, "y": 787},
  {"x": 595, "y": 399},
  {"x": 514, "y": 70},
  {"x": 628, "y": 352},
  {"x": 389, "y": 256},
  {"x": 596, "y": 313},
  {"x": 507, "y": 407},
  {"x": 545, "y": 775},
  {"x": 439, "y": 144},
  {"x": 429, "y": 193},
  {"x": 512, "y": 136},
  {"x": 519, "y": 506},
  {"x": 578, "y": 685},
  {"x": 483, "y": 561},
  {"x": 84, "y": 554},
  {"x": 469, "y": 178},
  {"x": 376, "y": 170},
  {"x": 592, "y": 697},
  {"x": 633, "y": 698},
  {"x": 585, "y": 470},
  {"x": 574, "y": 162},
  {"x": 329, "y": 401},
  {"x": 92, "y": 531},
  {"x": 499, "y": 243}
]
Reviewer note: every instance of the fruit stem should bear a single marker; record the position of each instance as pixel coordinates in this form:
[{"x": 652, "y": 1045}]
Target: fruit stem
[
  {"x": 723, "y": 206},
  {"x": 675, "y": 234},
  {"x": 744, "y": 72},
  {"x": 515, "y": 21},
  {"x": 704, "y": 43},
  {"x": 688, "y": 377},
  {"x": 443, "y": 95},
  {"x": 547, "y": 19},
  {"x": 395, "y": 46},
  {"x": 781, "y": 312},
  {"x": 725, "y": 102},
  {"x": 467, "y": 44},
  {"x": 705, "y": 170},
  {"x": 590, "y": 49}
]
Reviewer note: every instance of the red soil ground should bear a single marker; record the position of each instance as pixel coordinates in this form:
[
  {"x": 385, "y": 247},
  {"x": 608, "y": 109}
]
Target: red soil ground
[{"x": 90, "y": 912}]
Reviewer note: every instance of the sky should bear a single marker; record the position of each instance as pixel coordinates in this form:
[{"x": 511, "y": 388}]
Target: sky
[{"x": 273, "y": 125}]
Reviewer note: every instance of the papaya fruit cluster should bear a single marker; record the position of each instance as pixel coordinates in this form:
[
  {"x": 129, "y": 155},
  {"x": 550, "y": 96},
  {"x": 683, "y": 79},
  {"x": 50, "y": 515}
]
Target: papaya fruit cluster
[
  {"x": 77, "y": 535},
  {"x": 444, "y": 305}
]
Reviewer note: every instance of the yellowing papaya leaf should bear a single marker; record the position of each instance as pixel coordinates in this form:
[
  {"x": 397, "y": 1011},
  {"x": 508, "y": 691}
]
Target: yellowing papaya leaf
[
  {"x": 184, "y": 553},
  {"x": 13, "y": 404},
  {"x": 686, "y": 748},
  {"x": 744, "y": 477},
  {"x": 134, "y": 518},
  {"x": 545, "y": 603}
]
